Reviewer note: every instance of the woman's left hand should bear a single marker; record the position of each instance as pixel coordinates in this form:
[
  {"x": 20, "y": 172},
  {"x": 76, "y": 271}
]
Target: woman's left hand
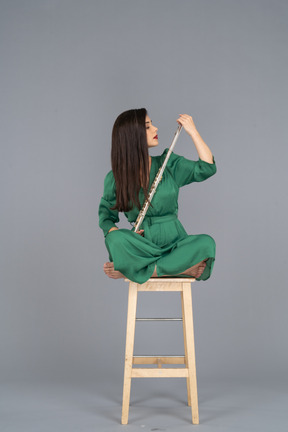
[{"x": 187, "y": 122}]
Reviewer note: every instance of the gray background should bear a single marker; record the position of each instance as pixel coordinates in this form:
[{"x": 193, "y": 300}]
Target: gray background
[{"x": 68, "y": 68}]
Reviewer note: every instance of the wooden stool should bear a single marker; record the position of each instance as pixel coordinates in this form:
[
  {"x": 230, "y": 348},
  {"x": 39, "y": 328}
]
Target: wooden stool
[{"x": 189, "y": 371}]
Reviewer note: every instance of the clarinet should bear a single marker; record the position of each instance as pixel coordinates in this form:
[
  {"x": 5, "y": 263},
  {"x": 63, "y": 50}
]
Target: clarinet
[{"x": 155, "y": 183}]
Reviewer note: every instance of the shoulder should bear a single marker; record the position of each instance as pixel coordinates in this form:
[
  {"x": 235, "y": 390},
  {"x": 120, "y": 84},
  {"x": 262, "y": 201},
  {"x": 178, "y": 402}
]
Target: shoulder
[
  {"x": 172, "y": 159},
  {"x": 109, "y": 178},
  {"x": 109, "y": 182}
]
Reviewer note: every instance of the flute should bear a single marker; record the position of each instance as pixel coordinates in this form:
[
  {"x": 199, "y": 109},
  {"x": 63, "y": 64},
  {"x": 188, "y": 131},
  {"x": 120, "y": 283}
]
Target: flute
[{"x": 156, "y": 181}]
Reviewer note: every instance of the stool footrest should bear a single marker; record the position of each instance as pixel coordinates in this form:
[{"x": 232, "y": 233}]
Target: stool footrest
[
  {"x": 145, "y": 359},
  {"x": 159, "y": 319},
  {"x": 159, "y": 373}
]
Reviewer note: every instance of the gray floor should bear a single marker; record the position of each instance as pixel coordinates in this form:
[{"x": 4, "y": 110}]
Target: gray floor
[{"x": 156, "y": 405}]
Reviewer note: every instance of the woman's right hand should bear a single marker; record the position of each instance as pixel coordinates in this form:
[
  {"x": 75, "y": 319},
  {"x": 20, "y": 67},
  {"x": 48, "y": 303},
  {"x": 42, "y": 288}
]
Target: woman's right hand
[
  {"x": 141, "y": 232},
  {"x": 113, "y": 229}
]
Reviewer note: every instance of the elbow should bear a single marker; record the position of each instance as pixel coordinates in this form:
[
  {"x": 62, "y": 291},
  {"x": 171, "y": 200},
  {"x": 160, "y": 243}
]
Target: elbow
[{"x": 209, "y": 160}]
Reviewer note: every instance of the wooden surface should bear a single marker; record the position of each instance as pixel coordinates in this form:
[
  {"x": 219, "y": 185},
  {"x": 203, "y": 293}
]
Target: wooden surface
[
  {"x": 157, "y": 279},
  {"x": 130, "y": 333},
  {"x": 183, "y": 285},
  {"x": 190, "y": 350}
]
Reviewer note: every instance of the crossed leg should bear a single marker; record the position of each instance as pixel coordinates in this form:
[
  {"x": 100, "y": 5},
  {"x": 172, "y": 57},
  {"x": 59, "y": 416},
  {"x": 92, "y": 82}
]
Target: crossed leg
[{"x": 194, "y": 271}]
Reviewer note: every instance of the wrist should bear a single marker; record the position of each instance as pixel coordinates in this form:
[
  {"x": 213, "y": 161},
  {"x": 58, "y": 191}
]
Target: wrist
[{"x": 193, "y": 133}]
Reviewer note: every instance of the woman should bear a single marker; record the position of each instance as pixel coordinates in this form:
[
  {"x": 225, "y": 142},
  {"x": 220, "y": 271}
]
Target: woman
[{"x": 161, "y": 247}]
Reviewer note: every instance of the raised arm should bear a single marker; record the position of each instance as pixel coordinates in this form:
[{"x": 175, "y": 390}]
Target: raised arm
[{"x": 203, "y": 150}]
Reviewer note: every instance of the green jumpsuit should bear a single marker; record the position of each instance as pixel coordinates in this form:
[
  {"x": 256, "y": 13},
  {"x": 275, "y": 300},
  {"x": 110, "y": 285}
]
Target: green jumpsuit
[{"x": 165, "y": 242}]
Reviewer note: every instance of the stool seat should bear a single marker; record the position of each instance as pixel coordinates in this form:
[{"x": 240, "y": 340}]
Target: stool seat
[
  {"x": 169, "y": 279},
  {"x": 183, "y": 285}
]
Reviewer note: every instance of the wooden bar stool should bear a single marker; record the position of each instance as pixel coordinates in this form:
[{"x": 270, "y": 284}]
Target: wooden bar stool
[{"x": 189, "y": 371}]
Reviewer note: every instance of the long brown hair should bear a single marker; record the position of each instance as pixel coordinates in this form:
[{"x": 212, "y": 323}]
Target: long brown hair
[{"x": 130, "y": 158}]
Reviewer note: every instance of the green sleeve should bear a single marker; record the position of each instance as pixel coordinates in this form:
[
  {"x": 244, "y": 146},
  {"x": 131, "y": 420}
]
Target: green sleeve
[
  {"x": 108, "y": 217},
  {"x": 186, "y": 171}
]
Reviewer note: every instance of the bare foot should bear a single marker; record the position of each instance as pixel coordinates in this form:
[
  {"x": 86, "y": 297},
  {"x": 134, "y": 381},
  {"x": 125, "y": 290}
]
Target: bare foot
[
  {"x": 109, "y": 270},
  {"x": 196, "y": 270}
]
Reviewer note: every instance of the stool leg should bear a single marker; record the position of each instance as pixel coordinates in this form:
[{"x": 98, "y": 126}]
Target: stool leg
[
  {"x": 130, "y": 332},
  {"x": 190, "y": 344},
  {"x": 185, "y": 350}
]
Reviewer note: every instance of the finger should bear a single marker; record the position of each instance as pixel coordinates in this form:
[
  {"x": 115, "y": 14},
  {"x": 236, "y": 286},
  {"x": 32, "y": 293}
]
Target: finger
[
  {"x": 182, "y": 122},
  {"x": 184, "y": 118}
]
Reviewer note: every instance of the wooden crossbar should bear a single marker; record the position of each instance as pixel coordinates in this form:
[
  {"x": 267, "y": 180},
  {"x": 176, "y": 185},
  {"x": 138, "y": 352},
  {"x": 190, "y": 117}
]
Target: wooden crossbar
[
  {"x": 159, "y": 373},
  {"x": 158, "y": 359}
]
